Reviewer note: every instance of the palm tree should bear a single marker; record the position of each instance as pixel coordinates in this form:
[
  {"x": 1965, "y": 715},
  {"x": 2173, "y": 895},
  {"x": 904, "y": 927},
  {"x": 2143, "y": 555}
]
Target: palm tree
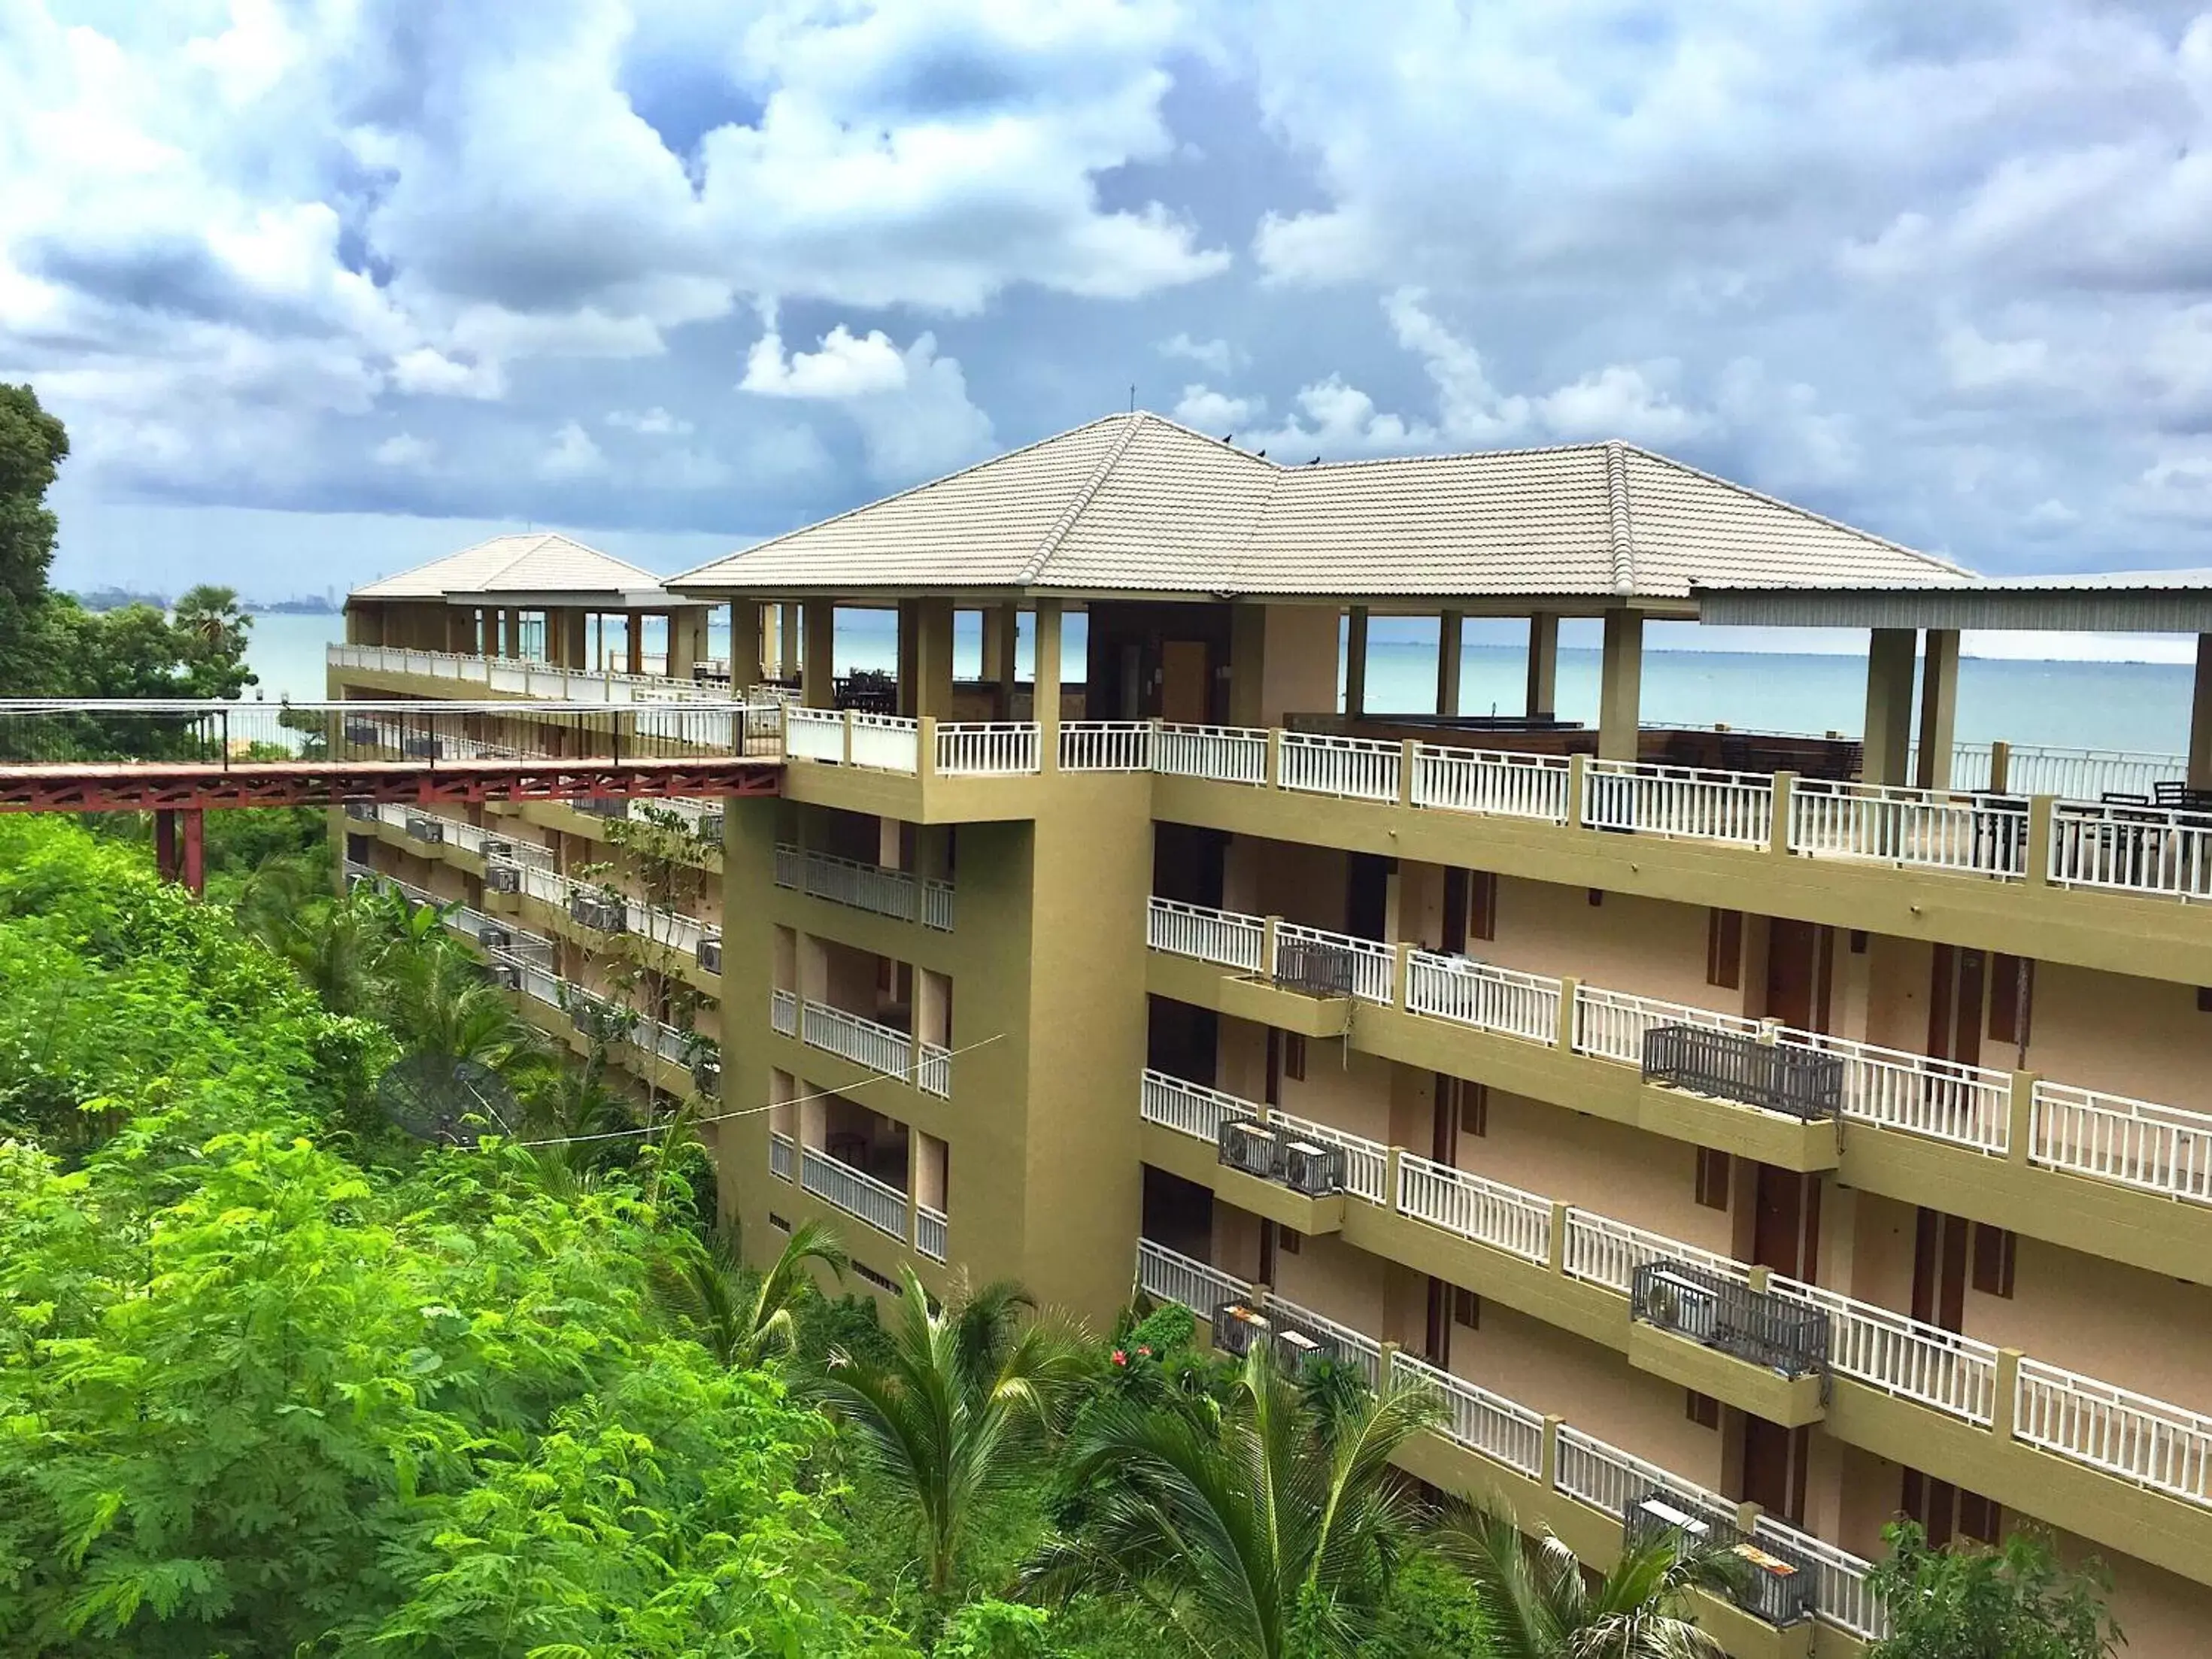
[
  {"x": 702, "y": 1284},
  {"x": 1276, "y": 1530},
  {"x": 439, "y": 1002},
  {"x": 957, "y": 1411},
  {"x": 1543, "y": 1605}
]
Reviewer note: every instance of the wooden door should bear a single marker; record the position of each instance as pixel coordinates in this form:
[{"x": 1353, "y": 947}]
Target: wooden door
[
  {"x": 1367, "y": 895},
  {"x": 1939, "y": 1270},
  {"x": 1774, "y": 1459},
  {"x": 1957, "y": 988},
  {"x": 1183, "y": 681},
  {"x": 1798, "y": 957},
  {"x": 1455, "y": 904},
  {"x": 1786, "y": 1221}
]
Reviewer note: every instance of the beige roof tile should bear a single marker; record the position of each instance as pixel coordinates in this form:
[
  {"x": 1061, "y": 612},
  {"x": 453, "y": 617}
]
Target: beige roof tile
[
  {"x": 1136, "y": 503},
  {"x": 533, "y": 563}
]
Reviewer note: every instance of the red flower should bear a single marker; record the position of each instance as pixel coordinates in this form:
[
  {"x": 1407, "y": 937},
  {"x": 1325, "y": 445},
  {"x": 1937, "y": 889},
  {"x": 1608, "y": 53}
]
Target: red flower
[
  {"x": 1121, "y": 1359},
  {"x": 1147, "y": 1351}
]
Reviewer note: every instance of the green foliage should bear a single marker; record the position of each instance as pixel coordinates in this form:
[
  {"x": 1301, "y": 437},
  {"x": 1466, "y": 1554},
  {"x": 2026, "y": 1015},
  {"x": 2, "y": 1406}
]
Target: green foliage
[
  {"x": 994, "y": 1630},
  {"x": 2013, "y": 1603},
  {"x": 33, "y": 445},
  {"x": 1433, "y": 1612}
]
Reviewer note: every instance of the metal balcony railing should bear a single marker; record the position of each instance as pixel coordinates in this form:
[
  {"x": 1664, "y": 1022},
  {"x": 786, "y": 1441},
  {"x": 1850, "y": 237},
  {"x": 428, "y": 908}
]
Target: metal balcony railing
[
  {"x": 1717, "y": 1312},
  {"x": 1795, "y": 1081},
  {"x": 1317, "y": 970},
  {"x": 1295, "y": 1343},
  {"x": 1773, "y": 1582},
  {"x": 1277, "y": 1152}
]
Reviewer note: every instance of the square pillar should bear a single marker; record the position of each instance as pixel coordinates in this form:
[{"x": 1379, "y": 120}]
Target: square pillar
[
  {"x": 817, "y": 663},
  {"x": 1355, "y": 664},
  {"x": 931, "y": 657},
  {"x": 744, "y": 645},
  {"x": 687, "y": 640},
  {"x": 634, "y": 633},
  {"x": 1939, "y": 707},
  {"x": 573, "y": 648},
  {"x": 1888, "y": 705},
  {"x": 787, "y": 651},
  {"x": 2200, "y": 718},
  {"x": 1048, "y": 679},
  {"x": 1248, "y": 663},
  {"x": 1001, "y": 633},
  {"x": 1620, "y": 686},
  {"x": 1543, "y": 699},
  {"x": 1449, "y": 629},
  {"x": 510, "y": 629}
]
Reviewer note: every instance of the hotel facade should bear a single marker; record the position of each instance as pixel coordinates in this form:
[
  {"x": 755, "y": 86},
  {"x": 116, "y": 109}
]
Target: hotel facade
[{"x": 1770, "y": 1133}]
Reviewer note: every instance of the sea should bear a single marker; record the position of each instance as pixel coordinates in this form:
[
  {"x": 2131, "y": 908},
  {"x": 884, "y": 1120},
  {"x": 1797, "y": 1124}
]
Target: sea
[{"x": 2063, "y": 704}]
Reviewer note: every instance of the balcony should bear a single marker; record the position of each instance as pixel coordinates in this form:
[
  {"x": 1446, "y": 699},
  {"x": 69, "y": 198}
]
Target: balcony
[
  {"x": 879, "y": 1204},
  {"x": 1779, "y": 1585},
  {"x": 1547, "y": 1472},
  {"x": 883, "y": 1049},
  {"x": 1800, "y": 1082},
  {"x": 893, "y": 893},
  {"x": 511, "y": 676},
  {"x": 1914, "y": 1393},
  {"x": 1718, "y": 1313}
]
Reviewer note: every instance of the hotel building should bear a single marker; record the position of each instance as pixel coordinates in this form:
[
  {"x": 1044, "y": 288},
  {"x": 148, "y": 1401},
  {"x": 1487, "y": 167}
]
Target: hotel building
[{"x": 1775, "y": 1133}]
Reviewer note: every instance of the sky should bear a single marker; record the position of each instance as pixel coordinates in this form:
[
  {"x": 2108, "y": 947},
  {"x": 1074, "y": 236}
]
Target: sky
[{"x": 326, "y": 287}]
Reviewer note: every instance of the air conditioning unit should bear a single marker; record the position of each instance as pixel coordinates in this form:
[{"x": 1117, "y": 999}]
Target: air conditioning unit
[
  {"x": 1314, "y": 1169},
  {"x": 500, "y": 850},
  {"x": 364, "y": 734},
  {"x": 706, "y": 1074},
  {"x": 1236, "y": 1327},
  {"x": 1293, "y": 1349},
  {"x": 502, "y": 879},
  {"x": 361, "y": 811},
  {"x": 592, "y": 1018},
  {"x": 594, "y": 910},
  {"x": 421, "y": 746},
  {"x": 710, "y": 826},
  {"x": 505, "y": 975},
  {"x": 494, "y": 939},
  {"x": 602, "y": 807},
  {"x": 710, "y": 953},
  {"x": 422, "y": 827},
  {"x": 1249, "y": 1145}
]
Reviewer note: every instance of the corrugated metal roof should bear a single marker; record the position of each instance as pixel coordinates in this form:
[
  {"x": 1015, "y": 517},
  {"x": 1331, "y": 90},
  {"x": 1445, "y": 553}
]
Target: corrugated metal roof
[
  {"x": 1138, "y": 503},
  {"x": 2101, "y": 602},
  {"x": 534, "y": 562}
]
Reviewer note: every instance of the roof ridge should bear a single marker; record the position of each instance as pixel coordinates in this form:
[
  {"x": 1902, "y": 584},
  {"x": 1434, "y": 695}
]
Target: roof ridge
[
  {"x": 1623, "y": 527},
  {"x": 1132, "y": 423},
  {"x": 1425, "y": 457},
  {"x": 536, "y": 544},
  {"x": 1820, "y": 519},
  {"x": 883, "y": 501}
]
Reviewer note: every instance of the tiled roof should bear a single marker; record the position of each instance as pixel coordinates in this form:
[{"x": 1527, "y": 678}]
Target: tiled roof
[
  {"x": 1137, "y": 503},
  {"x": 536, "y": 562}
]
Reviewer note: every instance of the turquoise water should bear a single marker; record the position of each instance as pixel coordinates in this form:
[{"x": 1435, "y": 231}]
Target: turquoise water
[{"x": 2078, "y": 705}]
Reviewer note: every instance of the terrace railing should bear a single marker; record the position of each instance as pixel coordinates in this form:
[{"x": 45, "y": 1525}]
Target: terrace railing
[
  {"x": 1720, "y": 1311},
  {"x": 1603, "y": 1251},
  {"x": 2137, "y": 1143},
  {"x": 1190, "y": 1108},
  {"x": 1222, "y": 936},
  {"x": 870, "y": 887},
  {"x": 1106, "y": 746},
  {"x": 2155, "y": 1444},
  {"x": 782, "y": 1155},
  {"x": 855, "y": 1192},
  {"x": 1679, "y": 801},
  {"x": 1477, "y": 781},
  {"x": 1942, "y": 1370},
  {"x": 995, "y": 750},
  {"x": 1774, "y": 1582},
  {"x": 929, "y": 1231},
  {"x": 1223, "y": 754},
  {"x": 1356, "y": 768},
  {"x": 1486, "y": 999},
  {"x": 1173, "y": 1277},
  {"x": 1974, "y": 835},
  {"x": 1502, "y": 1430},
  {"x": 1322, "y": 964},
  {"x": 1801, "y": 1083},
  {"x": 2131, "y": 849},
  {"x": 1488, "y": 1211}
]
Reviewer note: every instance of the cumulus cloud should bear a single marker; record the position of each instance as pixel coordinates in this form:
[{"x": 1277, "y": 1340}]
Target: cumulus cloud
[
  {"x": 572, "y": 455},
  {"x": 1217, "y": 357},
  {"x": 844, "y": 367},
  {"x": 655, "y": 422},
  {"x": 911, "y": 406},
  {"x": 1208, "y": 410},
  {"x": 403, "y": 450}
]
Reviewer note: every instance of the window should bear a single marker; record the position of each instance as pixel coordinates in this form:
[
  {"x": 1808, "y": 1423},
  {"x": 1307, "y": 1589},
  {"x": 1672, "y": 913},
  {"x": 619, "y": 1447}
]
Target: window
[
  {"x": 1702, "y": 1410},
  {"x": 1994, "y": 1249},
  {"x": 1482, "y": 905},
  {"x": 1288, "y": 1240},
  {"x": 1724, "y": 949},
  {"x": 1858, "y": 941},
  {"x": 778, "y": 1222},
  {"x": 1712, "y": 1178},
  {"x": 1596, "y": 897},
  {"x": 1467, "y": 1308},
  {"x": 1294, "y": 1057}
]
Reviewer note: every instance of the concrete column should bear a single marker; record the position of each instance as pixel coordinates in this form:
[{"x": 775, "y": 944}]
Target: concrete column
[
  {"x": 1543, "y": 701},
  {"x": 817, "y": 663},
  {"x": 1048, "y": 679},
  {"x": 573, "y": 649},
  {"x": 687, "y": 640},
  {"x": 511, "y": 628},
  {"x": 1448, "y": 652},
  {"x": 2200, "y": 718},
  {"x": 1939, "y": 707},
  {"x": 744, "y": 644},
  {"x": 787, "y": 651},
  {"x": 1001, "y": 635},
  {"x": 1355, "y": 664},
  {"x": 634, "y": 625},
  {"x": 1620, "y": 686},
  {"x": 931, "y": 657},
  {"x": 1888, "y": 705},
  {"x": 1248, "y": 662}
]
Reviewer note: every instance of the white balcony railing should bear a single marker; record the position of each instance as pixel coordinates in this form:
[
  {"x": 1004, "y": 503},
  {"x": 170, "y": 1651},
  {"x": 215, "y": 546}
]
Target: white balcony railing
[
  {"x": 1611, "y": 1025},
  {"x": 2158, "y": 1149},
  {"x": 855, "y": 1192},
  {"x": 1190, "y": 1108},
  {"x": 1170, "y": 1276},
  {"x": 880, "y": 1048},
  {"x": 1679, "y": 801},
  {"x": 1602, "y": 1251},
  {"x": 1844, "y": 1598},
  {"x": 2131, "y": 849},
  {"x": 1216, "y": 936},
  {"x": 1373, "y": 965},
  {"x": 814, "y": 734},
  {"x": 1502, "y": 1430},
  {"x": 1106, "y": 746},
  {"x": 1901, "y": 1356},
  {"x": 1366, "y": 1163},
  {"x": 2129, "y": 1435},
  {"x": 1488, "y": 1211},
  {"x": 782, "y": 1155},
  {"x": 1479, "y": 781},
  {"x": 1608, "y": 1478},
  {"x": 1973, "y": 835},
  {"x": 2070, "y": 773},
  {"x": 1223, "y": 754},
  {"x": 869, "y": 887},
  {"x": 783, "y": 1013},
  {"x": 995, "y": 750},
  {"x": 1942, "y": 1099},
  {"x": 533, "y": 679},
  {"x": 886, "y": 743},
  {"x": 1355, "y": 768},
  {"x": 929, "y": 1231},
  {"x": 1487, "y": 999},
  {"x": 1354, "y": 1347}
]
